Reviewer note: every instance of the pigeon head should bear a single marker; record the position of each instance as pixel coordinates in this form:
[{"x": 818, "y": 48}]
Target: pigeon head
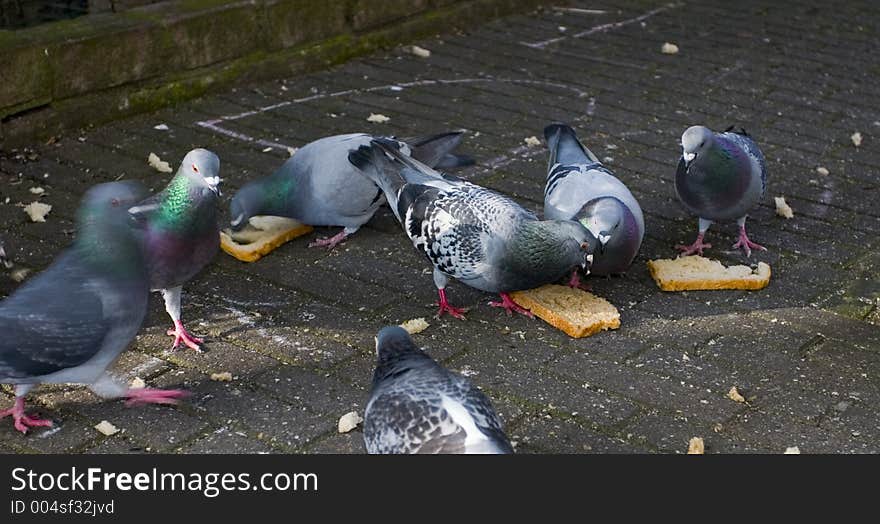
[
  {"x": 203, "y": 166},
  {"x": 392, "y": 341},
  {"x": 694, "y": 141},
  {"x": 578, "y": 243},
  {"x": 603, "y": 217},
  {"x": 113, "y": 198},
  {"x": 247, "y": 202}
]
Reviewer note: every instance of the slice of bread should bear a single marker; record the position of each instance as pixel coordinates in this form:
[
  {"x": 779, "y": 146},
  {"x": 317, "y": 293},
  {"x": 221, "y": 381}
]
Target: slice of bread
[
  {"x": 693, "y": 273},
  {"x": 574, "y": 311},
  {"x": 261, "y": 236}
]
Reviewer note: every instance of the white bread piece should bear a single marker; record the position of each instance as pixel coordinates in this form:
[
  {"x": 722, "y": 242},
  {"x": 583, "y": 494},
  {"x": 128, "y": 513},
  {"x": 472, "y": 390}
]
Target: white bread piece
[
  {"x": 691, "y": 273},
  {"x": 261, "y": 236},
  {"x": 574, "y": 311}
]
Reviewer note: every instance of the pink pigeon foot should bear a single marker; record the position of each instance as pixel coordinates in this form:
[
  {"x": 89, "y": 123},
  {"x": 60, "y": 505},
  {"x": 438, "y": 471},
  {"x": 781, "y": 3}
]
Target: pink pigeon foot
[
  {"x": 180, "y": 334},
  {"x": 746, "y": 244},
  {"x": 508, "y": 304},
  {"x": 575, "y": 282},
  {"x": 21, "y": 421},
  {"x": 456, "y": 312},
  {"x": 697, "y": 247},
  {"x": 331, "y": 242},
  {"x": 136, "y": 397}
]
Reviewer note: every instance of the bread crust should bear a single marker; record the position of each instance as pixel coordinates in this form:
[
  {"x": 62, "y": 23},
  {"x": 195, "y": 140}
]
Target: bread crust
[
  {"x": 536, "y": 300},
  {"x": 667, "y": 273},
  {"x": 262, "y": 242}
]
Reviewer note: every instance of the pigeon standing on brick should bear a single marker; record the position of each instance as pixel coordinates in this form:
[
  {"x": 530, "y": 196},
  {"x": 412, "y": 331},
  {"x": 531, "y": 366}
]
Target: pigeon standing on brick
[
  {"x": 721, "y": 176},
  {"x": 319, "y": 187},
  {"x": 417, "y": 406},
  {"x": 468, "y": 232},
  {"x": 181, "y": 232},
  {"x": 580, "y": 188},
  {"x": 70, "y": 322}
]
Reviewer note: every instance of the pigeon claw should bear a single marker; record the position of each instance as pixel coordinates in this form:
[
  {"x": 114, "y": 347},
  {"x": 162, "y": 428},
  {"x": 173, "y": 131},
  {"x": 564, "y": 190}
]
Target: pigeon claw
[
  {"x": 697, "y": 247},
  {"x": 180, "y": 334},
  {"x": 135, "y": 397},
  {"x": 746, "y": 244},
  {"x": 331, "y": 242},
  {"x": 510, "y": 306},
  {"x": 456, "y": 312},
  {"x": 21, "y": 421}
]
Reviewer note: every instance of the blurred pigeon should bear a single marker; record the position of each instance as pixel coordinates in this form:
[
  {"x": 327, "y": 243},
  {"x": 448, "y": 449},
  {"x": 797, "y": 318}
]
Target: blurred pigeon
[
  {"x": 181, "y": 232},
  {"x": 318, "y": 186},
  {"x": 580, "y": 188},
  {"x": 70, "y": 322},
  {"x": 417, "y": 406},
  {"x": 721, "y": 176},
  {"x": 478, "y": 236}
]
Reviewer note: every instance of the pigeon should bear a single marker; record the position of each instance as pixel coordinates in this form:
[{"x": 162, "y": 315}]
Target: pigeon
[
  {"x": 417, "y": 406},
  {"x": 318, "y": 186},
  {"x": 721, "y": 176},
  {"x": 70, "y": 322},
  {"x": 181, "y": 232},
  {"x": 580, "y": 188},
  {"x": 471, "y": 233}
]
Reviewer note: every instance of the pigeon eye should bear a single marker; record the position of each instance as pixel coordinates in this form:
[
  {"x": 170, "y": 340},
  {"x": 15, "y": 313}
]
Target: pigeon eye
[
  {"x": 114, "y": 202},
  {"x": 585, "y": 246},
  {"x": 195, "y": 168}
]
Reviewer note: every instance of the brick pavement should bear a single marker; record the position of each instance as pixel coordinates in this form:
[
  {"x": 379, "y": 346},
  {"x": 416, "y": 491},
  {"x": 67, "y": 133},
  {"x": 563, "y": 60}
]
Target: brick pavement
[{"x": 296, "y": 328}]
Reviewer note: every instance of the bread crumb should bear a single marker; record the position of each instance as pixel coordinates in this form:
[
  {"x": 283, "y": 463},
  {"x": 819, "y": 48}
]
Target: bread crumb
[
  {"x": 822, "y": 171},
  {"x": 267, "y": 149},
  {"x": 718, "y": 427},
  {"x": 696, "y": 446},
  {"x": 137, "y": 383},
  {"x": 669, "y": 48},
  {"x": 415, "y": 325},
  {"x": 420, "y": 52},
  {"x": 37, "y": 211},
  {"x": 532, "y": 141},
  {"x": 37, "y": 190},
  {"x": 734, "y": 395},
  {"x": 782, "y": 208},
  {"x": 377, "y": 118},
  {"x": 161, "y": 127},
  {"x": 19, "y": 274},
  {"x": 856, "y": 139},
  {"x": 221, "y": 377},
  {"x": 793, "y": 450},
  {"x": 106, "y": 428},
  {"x": 292, "y": 150},
  {"x": 349, "y": 421},
  {"x": 158, "y": 164}
]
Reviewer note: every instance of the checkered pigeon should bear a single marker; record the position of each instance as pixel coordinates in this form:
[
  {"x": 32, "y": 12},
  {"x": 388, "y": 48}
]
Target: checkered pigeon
[
  {"x": 417, "y": 406},
  {"x": 471, "y": 233}
]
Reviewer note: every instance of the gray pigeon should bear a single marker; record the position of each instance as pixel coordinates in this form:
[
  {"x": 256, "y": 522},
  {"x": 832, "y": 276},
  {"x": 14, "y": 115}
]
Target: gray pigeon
[
  {"x": 417, "y": 406},
  {"x": 721, "y": 176},
  {"x": 70, "y": 322},
  {"x": 471, "y": 233},
  {"x": 181, "y": 233},
  {"x": 580, "y": 188},
  {"x": 318, "y": 186}
]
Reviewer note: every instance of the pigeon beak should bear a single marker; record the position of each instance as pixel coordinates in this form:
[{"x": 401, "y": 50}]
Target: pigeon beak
[
  {"x": 214, "y": 183},
  {"x": 588, "y": 261},
  {"x": 688, "y": 157},
  {"x": 236, "y": 222}
]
